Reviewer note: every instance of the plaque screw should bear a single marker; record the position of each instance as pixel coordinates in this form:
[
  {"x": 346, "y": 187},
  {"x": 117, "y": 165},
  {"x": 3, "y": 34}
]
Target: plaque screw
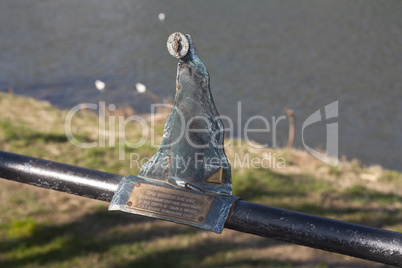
[
  {"x": 178, "y": 45},
  {"x": 137, "y": 184},
  {"x": 129, "y": 203},
  {"x": 200, "y": 219}
]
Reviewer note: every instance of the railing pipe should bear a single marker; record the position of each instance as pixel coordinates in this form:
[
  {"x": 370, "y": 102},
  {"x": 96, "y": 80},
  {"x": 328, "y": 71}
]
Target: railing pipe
[{"x": 279, "y": 224}]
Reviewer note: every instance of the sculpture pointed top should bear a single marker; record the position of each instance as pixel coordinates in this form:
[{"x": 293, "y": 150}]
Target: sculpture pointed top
[{"x": 191, "y": 154}]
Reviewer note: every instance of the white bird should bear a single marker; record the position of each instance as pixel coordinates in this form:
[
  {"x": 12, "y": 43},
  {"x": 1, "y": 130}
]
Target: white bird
[
  {"x": 100, "y": 85},
  {"x": 161, "y": 16},
  {"x": 141, "y": 88}
]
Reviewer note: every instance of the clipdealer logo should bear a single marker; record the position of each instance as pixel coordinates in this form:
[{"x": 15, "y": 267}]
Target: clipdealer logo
[
  {"x": 330, "y": 156},
  {"x": 112, "y": 130}
]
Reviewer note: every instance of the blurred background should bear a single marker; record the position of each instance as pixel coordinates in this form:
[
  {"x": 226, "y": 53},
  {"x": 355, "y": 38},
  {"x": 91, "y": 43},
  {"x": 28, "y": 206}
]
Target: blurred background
[{"x": 268, "y": 55}]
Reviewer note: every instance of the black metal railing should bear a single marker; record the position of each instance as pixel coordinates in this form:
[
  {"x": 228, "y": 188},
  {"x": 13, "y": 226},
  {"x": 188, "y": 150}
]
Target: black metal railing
[{"x": 279, "y": 224}]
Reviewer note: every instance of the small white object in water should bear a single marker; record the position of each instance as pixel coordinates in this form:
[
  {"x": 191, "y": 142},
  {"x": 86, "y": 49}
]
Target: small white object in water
[
  {"x": 141, "y": 88},
  {"x": 161, "y": 16},
  {"x": 100, "y": 85}
]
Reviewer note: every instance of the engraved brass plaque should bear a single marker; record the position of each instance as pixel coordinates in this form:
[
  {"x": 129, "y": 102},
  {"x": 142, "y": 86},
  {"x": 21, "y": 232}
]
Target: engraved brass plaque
[{"x": 170, "y": 202}]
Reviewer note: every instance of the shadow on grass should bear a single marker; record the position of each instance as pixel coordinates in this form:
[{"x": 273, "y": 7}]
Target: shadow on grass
[
  {"x": 117, "y": 233},
  {"x": 263, "y": 263},
  {"x": 74, "y": 239},
  {"x": 194, "y": 256},
  {"x": 103, "y": 231}
]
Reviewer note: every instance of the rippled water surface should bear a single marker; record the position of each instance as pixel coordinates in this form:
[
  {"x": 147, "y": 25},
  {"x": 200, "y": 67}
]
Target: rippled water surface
[{"x": 267, "y": 54}]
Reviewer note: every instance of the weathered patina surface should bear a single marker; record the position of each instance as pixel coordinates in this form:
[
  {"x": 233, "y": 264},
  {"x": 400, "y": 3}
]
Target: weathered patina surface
[
  {"x": 188, "y": 180},
  {"x": 191, "y": 154}
]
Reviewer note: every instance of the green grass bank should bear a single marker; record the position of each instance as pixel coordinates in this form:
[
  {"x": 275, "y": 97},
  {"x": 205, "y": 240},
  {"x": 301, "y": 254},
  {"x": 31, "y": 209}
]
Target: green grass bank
[{"x": 44, "y": 228}]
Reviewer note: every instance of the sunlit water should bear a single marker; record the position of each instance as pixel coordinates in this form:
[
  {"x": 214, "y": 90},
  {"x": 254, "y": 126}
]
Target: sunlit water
[{"x": 267, "y": 54}]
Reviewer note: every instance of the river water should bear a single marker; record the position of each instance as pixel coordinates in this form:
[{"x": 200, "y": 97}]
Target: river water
[{"x": 268, "y": 55}]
